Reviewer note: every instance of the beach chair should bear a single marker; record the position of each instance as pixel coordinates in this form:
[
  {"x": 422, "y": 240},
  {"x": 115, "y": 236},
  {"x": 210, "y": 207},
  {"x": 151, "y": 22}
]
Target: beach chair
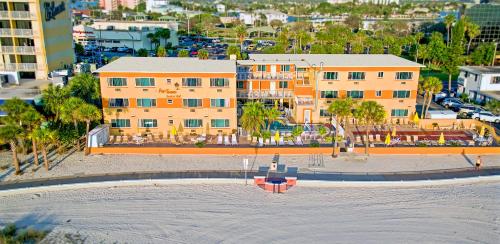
[
  {"x": 377, "y": 138},
  {"x": 181, "y": 139},
  {"x": 261, "y": 142},
  {"x": 267, "y": 142},
  {"x": 408, "y": 140},
  {"x": 125, "y": 139},
  {"x": 273, "y": 141},
  {"x": 219, "y": 140},
  {"x": 290, "y": 142},
  {"x": 111, "y": 139},
  {"x": 282, "y": 141},
  {"x": 370, "y": 138},
  {"x": 150, "y": 138},
  {"x": 358, "y": 140},
  {"x": 172, "y": 138},
  {"x": 415, "y": 138},
  {"x": 118, "y": 140},
  {"x": 234, "y": 141},
  {"x": 226, "y": 141},
  {"x": 364, "y": 138},
  {"x": 299, "y": 141}
]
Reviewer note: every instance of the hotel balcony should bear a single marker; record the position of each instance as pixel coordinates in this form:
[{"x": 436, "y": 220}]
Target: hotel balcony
[
  {"x": 304, "y": 101},
  {"x": 22, "y": 15},
  {"x": 266, "y": 76},
  {"x": 277, "y": 94},
  {"x": 29, "y": 50},
  {"x": 6, "y": 32},
  {"x": 18, "y": 67}
]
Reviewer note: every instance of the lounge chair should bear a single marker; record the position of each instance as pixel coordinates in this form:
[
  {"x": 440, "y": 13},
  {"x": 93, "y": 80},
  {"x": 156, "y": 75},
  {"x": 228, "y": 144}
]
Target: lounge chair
[
  {"x": 415, "y": 138},
  {"x": 358, "y": 140},
  {"x": 370, "y": 137},
  {"x": 273, "y": 141},
  {"x": 299, "y": 141},
  {"x": 226, "y": 141},
  {"x": 281, "y": 142},
  {"x": 377, "y": 138},
  {"x": 118, "y": 140},
  {"x": 234, "y": 140},
  {"x": 219, "y": 140},
  {"x": 261, "y": 142},
  {"x": 181, "y": 139},
  {"x": 290, "y": 142},
  {"x": 408, "y": 140},
  {"x": 172, "y": 138},
  {"x": 111, "y": 139},
  {"x": 267, "y": 142},
  {"x": 125, "y": 139}
]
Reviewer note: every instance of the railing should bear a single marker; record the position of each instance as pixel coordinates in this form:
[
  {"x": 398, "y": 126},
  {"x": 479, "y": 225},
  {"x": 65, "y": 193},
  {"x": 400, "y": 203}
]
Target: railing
[
  {"x": 19, "y": 67},
  {"x": 5, "y": 32},
  {"x": 19, "y": 49},
  {"x": 265, "y": 94},
  {"x": 16, "y": 15},
  {"x": 23, "y": 32},
  {"x": 266, "y": 75},
  {"x": 304, "y": 101}
]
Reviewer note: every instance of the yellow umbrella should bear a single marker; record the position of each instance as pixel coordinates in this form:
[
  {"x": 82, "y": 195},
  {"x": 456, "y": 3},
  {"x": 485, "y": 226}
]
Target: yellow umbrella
[
  {"x": 277, "y": 136},
  {"x": 276, "y": 103},
  {"x": 481, "y": 133},
  {"x": 416, "y": 119},
  {"x": 173, "y": 131},
  {"x": 394, "y": 131},
  {"x": 388, "y": 139},
  {"x": 441, "y": 139}
]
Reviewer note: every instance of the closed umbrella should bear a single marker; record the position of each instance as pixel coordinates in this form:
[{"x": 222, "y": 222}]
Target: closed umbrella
[
  {"x": 388, "y": 139},
  {"x": 482, "y": 131},
  {"x": 277, "y": 136},
  {"x": 173, "y": 131},
  {"x": 416, "y": 119},
  {"x": 394, "y": 131},
  {"x": 441, "y": 140}
]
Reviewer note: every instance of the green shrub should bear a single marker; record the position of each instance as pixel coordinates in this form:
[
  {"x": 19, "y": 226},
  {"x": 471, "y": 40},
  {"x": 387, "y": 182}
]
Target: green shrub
[
  {"x": 266, "y": 134},
  {"x": 200, "y": 144},
  {"x": 297, "y": 131},
  {"x": 314, "y": 144}
]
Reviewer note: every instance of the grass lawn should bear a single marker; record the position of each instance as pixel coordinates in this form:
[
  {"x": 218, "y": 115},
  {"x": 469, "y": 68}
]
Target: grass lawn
[{"x": 425, "y": 72}]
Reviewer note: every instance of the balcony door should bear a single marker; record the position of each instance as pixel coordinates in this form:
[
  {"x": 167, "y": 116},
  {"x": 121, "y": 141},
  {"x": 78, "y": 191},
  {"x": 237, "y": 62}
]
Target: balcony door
[
  {"x": 307, "y": 116},
  {"x": 272, "y": 87},
  {"x": 273, "y": 71}
]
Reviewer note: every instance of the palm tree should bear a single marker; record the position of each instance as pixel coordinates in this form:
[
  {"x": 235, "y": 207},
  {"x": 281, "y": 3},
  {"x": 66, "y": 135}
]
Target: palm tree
[
  {"x": 342, "y": 110},
  {"x": 52, "y": 98},
  {"x": 11, "y": 134},
  {"x": 473, "y": 31},
  {"x": 275, "y": 24},
  {"x": 272, "y": 115},
  {"x": 417, "y": 37},
  {"x": 32, "y": 120},
  {"x": 86, "y": 87},
  {"x": 252, "y": 119},
  {"x": 163, "y": 34},
  {"x": 448, "y": 21},
  {"x": 234, "y": 50},
  {"x": 69, "y": 114},
  {"x": 44, "y": 136},
  {"x": 203, "y": 54},
  {"x": 161, "y": 52},
  {"x": 183, "y": 53},
  {"x": 153, "y": 39},
  {"x": 369, "y": 113},
  {"x": 14, "y": 108},
  {"x": 241, "y": 33},
  {"x": 431, "y": 85},
  {"x": 88, "y": 113}
]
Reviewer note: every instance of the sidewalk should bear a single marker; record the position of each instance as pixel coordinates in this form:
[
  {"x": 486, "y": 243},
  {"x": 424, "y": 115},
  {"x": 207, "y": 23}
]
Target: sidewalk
[{"x": 79, "y": 165}]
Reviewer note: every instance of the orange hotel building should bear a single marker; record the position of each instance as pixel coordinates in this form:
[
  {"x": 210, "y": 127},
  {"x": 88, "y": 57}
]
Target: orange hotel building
[{"x": 154, "y": 94}]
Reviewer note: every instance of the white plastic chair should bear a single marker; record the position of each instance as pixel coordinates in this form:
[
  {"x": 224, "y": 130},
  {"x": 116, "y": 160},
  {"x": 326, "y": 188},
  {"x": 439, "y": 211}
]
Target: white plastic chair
[
  {"x": 261, "y": 142},
  {"x": 273, "y": 142},
  {"x": 233, "y": 140},
  {"x": 226, "y": 141},
  {"x": 219, "y": 140},
  {"x": 299, "y": 141},
  {"x": 281, "y": 142}
]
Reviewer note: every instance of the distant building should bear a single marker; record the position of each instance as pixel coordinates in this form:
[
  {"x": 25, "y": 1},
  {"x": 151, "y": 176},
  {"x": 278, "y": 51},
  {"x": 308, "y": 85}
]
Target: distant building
[
  {"x": 338, "y": 1},
  {"x": 487, "y": 16},
  {"x": 35, "y": 38},
  {"x": 83, "y": 4},
  {"x": 480, "y": 83},
  {"x": 110, "y": 5},
  {"x": 250, "y": 18},
  {"x": 132, "y": 34},
  {"x": 383, "y": 2},
  {"x": 221, "y": 8}
]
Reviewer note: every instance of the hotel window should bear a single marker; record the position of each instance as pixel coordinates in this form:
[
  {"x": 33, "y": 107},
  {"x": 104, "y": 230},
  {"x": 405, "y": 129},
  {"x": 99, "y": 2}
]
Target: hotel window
[
  {"x": 120, "y": 123},
  {"x": 331, "y": 75},
  {"x": 219, "y": 103},
  {"x": 169, "y": 81},
  {"x": 146, "y": 102},
  {"x": 170, "y": 101},
  {"x": 219, "y": 123},
  {"x": 356, "y": 76},
  {"x": 399, "y": 112},
  {"x": 239, "y": 84},
  {"x": 283, "y": 84},
  {"x": 380, "y": 75},
  {"x": 355, "y": 94},
  {"x": 193, "y": 82},
  {"x": 193, "y": 123},
  {"x": 404, "y": 75},
  {"x": 285, "y": 68},
  {"x": 378, "y": 93},
  {"x": 301, "y": 69},
  {"x": 324, "y": 113},
  {"x": 117, "y": 82},
  {"x": 118, "y": 102},
  {"x": 329, "y": 94},
  {"x": 261, "y": 67},
  {"x": 219, "y": 82},
  {"x": 495, "y": 80},
  {"x": 192, "y": 102},
  {"x": 144, "y": 81},
  {"x": 170, "y": 122},
  {"x": 401, "y": 94},
  {"x": 148, "y": 123}
]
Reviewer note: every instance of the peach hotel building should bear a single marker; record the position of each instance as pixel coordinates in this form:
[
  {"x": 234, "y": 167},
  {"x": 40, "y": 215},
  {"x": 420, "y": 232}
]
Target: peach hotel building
[{"x": 154, "y": 94}]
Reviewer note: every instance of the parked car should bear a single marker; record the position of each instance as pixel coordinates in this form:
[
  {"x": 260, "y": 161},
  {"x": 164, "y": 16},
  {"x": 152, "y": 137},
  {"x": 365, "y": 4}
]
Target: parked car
[
  {"x": 122, "y": 49},
  {"x": 486, "y": 116},
  {"x": 469, "y": 108},
  {"x": 451, "y": 102}
]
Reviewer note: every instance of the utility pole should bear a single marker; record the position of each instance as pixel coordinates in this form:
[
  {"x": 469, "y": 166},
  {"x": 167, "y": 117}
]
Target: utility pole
[{"x": 494, "y": 54}]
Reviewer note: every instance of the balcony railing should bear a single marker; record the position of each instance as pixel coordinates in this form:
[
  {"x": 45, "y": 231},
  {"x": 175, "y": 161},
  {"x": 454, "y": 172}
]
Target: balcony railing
[
  {"x": 265, "y": 94},
  {"x": 15, "y": 15},
  {"x": 16, "y": 32},
  {"x": 19, "y": 67},
  {"x": 18, "y": 49},
  {"x": 266, "y": 76},
  {"x": 304, "y": 101}
]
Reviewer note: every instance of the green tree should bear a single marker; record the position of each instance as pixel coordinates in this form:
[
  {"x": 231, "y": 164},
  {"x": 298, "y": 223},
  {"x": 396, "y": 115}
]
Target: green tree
[
  {"x": 183, "y": 53},
  {"x": 436, "y": 48},
  {"x": 142, "y": 52},
  {"x": 52, "y": 98},
  {"x": 234, "y": 50},
  {"x": 86, "y": 87},
  {"x": 164, "y": 34},
  {"x": 88, "y": 113},
  {"x": 79, "y": 50},
  {"x": 473, "y": 31},
  {"x": 272, "y": 115},
  {"x": 153, "y": 39},
  {"x": 448, "y": 21},
  {"x": 203, "y": 54},
  {"x": 161, "y": 52},
  {"x": 45, "y": 136},
  {"x": 431, "y": 86},
  {"x": 483, "y": 54},
  {"x": 69, "y": 114},
  {"x": 353, "y": 21},
  {"x": 11, "y": 134},
  {"x": 276, "y": 24},
  {"x": 493, "y": 106},
  {"x": 241, "y": 33},
  {"x": 252, "y": 119},
  {"x": 452, "y": 58},
  {"x": 31, "y": 120},
  {"x": 342, "y": 110},
  {"x": 369, "y": 113}
]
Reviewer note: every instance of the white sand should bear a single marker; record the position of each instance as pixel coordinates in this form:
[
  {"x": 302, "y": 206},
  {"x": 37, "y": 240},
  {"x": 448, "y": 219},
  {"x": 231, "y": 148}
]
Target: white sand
[
  {"x": 77, "y": 164},
  {"x": 238, "y": 214}
]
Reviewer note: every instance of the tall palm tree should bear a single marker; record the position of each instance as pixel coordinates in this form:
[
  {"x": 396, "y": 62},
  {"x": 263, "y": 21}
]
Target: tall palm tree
[
  {"x": 88, "y": 113},
  {"x": 342, "y": 110},
  {"x": 14, "y": 108},
  {"x": 272, "y": 115},
  {"x": 241, "y": 34},
  {"x": 448, "y": 21},
  {"x": 203, "y": 54},
  {"x": 153, "y": 39},
  {"x": 86, "y": 87},
  {"x": 32, "y": 120},
  {"x": 431, "y": 85},
  {"x": 44, "y": 136},
  {"x": 52, "y": 98},
  {"x": 417, "y": 37},
  {"x": 163, "y": 34},
  {"x": 369, "y": 113},
  {"x": 252, "y": 119},
  {"x": 11, "y": 134},
  {"x": 69, "y": 114},
  {"x": 473, "y": 31}
]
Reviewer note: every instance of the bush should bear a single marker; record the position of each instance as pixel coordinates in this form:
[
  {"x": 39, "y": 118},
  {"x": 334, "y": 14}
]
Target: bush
[
  {"x": 266, "y": 134},
  {"x": 200, "y": 144},
  {"x": 297, "y": 131},
  {"x": 314, "y": 144},
  {"x": 11, "y": 234}
]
